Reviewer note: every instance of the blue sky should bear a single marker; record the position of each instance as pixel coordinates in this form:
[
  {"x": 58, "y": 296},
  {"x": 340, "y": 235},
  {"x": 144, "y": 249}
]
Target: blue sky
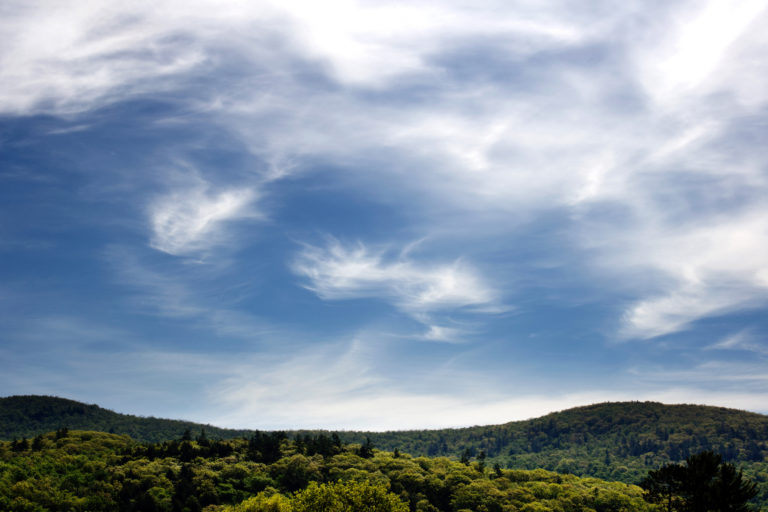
[{"x": 383, "y": 215}]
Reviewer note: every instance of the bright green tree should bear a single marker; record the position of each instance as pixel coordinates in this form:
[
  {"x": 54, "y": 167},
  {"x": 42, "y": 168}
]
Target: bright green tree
[
  {"x": 264, "y": 502},
  {"x": 347, "y": 497}
]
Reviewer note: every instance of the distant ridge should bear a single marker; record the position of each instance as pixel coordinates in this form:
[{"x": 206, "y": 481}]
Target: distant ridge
[
  {"x": 30, "y": 415},
  {"x": 613, "y": 441}
]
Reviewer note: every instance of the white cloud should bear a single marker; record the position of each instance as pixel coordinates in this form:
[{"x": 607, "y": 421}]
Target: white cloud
[
  {"x": 694, "y": 46},
  {"x": 501, "y": 156},
  {"x": 711, "y": 269},
  {"x": 192, "y": 220},
  {"x": 65, "y": 59},
  {"x": 443, "y": 333},
  {"x": 373, "y": 43},
  {"x": 614, "y": 106},
  {"x": 345, "y": 272}
]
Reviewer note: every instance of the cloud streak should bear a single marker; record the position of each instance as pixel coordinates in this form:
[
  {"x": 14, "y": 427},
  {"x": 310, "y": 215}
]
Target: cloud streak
[
  {"x": 342, "y": 388},
  {"x": 346, "y": 272},
  {"x": 607, "y": 134},
  {"x": 193, "y": 220},
  {"x": 713, "y": 269},
  {"x": 599, "y": 166}
]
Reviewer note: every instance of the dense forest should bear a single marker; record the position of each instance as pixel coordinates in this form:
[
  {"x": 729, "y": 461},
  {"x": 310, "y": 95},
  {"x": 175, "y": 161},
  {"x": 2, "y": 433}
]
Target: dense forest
[
  {"x": 92, "y": 471},
  {"x": 612, "y": 441}
]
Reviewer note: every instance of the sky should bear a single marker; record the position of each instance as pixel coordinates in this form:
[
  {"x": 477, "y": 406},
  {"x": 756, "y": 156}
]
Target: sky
[{"x": 383, "y": 214}]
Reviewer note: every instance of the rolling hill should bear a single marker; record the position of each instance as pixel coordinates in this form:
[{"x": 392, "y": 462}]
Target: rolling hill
[
  {"x": 613, "y": 441},
  {"x": 30, "y": 415},
  {"x": 617, "y": 441}
]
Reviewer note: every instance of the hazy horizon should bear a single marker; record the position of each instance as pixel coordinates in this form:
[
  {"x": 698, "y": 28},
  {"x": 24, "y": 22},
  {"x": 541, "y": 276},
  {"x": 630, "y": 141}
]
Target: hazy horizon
[{"x": 461, "y": 426}]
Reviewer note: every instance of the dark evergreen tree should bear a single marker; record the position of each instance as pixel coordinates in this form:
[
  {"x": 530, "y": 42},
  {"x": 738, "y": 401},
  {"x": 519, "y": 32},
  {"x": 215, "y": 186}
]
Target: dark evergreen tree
[
  {"x": 481, "y": 461},
  {"x": 184, "y": 491},
  {"x": 186, "y": 451},
  {"x": 754, "y": 453},
  {"x": 202, "y": 439},
  {"x": 731, "y": 491},
  {"x": 703, "y": 484},
  {"x": 366, "y": 449},
  {"x": 264, "y": 447}
]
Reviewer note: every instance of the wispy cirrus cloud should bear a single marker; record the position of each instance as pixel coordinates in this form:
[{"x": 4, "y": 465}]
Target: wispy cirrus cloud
[
  {"x": 66, "y": 59},
  {"x": 710, "y": 269},
  {"x": 717, "y": 376},
  {"x": 618, "y": 146},
  {"x": 194, "y": 220},
  {"x": 186, "y": 293},
  {"x": 342, "y": 386},
  {"x": 582, "y": 128},
  {"x": 443, "y": 333},
  {"x": 743, "y": 340},
  {"x": 339, "y": 271},
  {"x": 576, "y": 116},
  {"x": 695, "y": 46},
  {"x": 430, "y": 292}
]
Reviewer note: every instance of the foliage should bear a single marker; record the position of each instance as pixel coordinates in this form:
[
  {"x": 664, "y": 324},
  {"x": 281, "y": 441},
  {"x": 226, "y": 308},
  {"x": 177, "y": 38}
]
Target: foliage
[
  {"x": 347, "y": 497},
  {"x": 267, "y": 501},
  {"x": 612, "y": 441},
  {"x": 703, "y": 484},
  {"x": 94, "y": 471}
]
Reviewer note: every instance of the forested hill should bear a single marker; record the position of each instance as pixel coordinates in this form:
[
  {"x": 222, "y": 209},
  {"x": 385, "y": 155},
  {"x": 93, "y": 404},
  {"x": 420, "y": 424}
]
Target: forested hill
[
  {"x": 629, "y": 428},
  {"x": 613, "y": 441},
  {"x": 28, "y": 416}
]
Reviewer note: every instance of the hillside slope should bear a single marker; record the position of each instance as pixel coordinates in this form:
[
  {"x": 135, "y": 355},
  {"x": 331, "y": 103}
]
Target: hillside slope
[
  {"x": 625, "y": 429},
  {"x": 612, "y": 441},
  {"x": 28, "y": 416}
]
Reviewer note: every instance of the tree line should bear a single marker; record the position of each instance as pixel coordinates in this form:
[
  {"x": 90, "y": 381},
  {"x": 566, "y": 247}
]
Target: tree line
[{"x": 94, "y": 471}]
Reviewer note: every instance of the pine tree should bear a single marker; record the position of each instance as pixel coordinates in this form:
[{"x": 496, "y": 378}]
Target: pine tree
[
  {"x": 703, "y": 484},
  {"x": 366, "y": 449}
]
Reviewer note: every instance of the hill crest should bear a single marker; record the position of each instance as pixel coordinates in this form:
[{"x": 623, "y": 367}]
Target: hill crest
[{"x": 618, "y": 441}]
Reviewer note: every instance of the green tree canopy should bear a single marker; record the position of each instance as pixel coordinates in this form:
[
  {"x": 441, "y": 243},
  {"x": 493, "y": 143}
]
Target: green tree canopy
[
  {"x": 347, "y": 497},
  {"x": 704, "y": 483}
]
